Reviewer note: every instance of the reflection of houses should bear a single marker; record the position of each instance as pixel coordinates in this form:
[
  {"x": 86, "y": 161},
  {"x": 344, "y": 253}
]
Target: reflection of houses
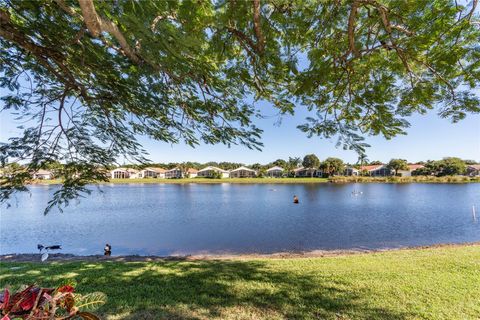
[
  {"x": 411, "y": 168},
  {"x": 243, "y": 172},
  {"x": 210, "y": 172},
  {"x": 43, "y": 175},
  {"x": 275, "y": 172},
  {"x": 307, "y": 172},
  {"x": 350, "y": 171},
  {"x": 124, "y": 173},
  {"x": 152, "y": 173},
  {"x": 377, "y": 170},
  {"x": 473, "y": 170}
]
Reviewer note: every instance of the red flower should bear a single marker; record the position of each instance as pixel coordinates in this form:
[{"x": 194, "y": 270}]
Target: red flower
[{"x": 66, "y": 288}]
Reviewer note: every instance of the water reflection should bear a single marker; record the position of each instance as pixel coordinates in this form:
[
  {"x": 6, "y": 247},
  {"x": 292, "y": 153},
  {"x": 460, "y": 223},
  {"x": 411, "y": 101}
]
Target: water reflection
[{"x": 191, "y": 218}]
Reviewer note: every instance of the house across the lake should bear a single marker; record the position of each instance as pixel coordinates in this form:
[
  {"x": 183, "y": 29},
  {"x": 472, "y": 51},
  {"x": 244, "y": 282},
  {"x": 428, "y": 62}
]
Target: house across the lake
[
  {"x": 175, "y": 173},
  {"x": 178, "y": 173},
  {"x": 307, "y": 172},
  {"x": 411, "y": 168},
  {"x": 377, "y": 170},
  {"x": 351, "y": 171},
  {"x": 275, "y": 172},
  {"x": 473, "y": 170},
  {"x": 192, "y": 173},
  {"x": 210, "y": 172},
  {"x": 243, "y": 172},
  {"x": 43, "y": 175},
  {"x": 124, "y": 173},
  {"x": 152, "y": 172}
]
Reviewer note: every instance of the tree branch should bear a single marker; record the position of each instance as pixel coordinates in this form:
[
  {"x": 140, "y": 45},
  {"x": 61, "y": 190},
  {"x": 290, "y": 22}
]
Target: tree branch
[
  {"x": 111, "y": 28},
  {"x": 474, "y": 6},
  {"x": 257, "y": 27},
  {"x": 249, "y": 45},
  {"x": 402, "y": 29},
  {"x": 96, "y": 24},
  {"x": 91, "y": 18},
  {"x": 43, "y": 54},
  {"x": 351, "y": 28},
  {"x": 67, "y": 9},
  {"x": 160, "y": 18}
]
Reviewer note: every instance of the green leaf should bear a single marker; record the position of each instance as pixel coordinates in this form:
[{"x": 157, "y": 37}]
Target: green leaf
[{"x": 90, "y": 301}]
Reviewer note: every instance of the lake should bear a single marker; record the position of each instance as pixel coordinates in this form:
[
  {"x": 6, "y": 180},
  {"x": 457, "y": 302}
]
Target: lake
[{"x": 179, "y": 219}]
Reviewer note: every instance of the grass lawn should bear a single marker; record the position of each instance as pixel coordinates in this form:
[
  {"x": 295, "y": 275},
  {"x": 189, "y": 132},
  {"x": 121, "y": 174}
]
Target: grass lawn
[{"x": 436, "y": 283}]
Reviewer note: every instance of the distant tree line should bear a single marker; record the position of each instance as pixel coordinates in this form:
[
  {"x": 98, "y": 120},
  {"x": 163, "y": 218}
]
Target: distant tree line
[
  {"x": 330, "y": 166},
  {"x": 445, "y": 167}
]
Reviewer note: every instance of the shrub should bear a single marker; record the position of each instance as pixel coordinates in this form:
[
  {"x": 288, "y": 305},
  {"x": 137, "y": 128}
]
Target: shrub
[
  {"x": 35, "y": 302},
  {"x": 216, "y": 175},
  {"x": 394, "y": 179}
]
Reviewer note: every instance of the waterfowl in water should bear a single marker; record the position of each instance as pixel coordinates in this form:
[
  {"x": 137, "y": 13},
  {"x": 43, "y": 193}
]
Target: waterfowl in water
[{"x": 295, "y": 199}]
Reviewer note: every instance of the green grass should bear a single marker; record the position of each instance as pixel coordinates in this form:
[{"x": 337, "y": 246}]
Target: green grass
[{"x": 435, "y": 283}]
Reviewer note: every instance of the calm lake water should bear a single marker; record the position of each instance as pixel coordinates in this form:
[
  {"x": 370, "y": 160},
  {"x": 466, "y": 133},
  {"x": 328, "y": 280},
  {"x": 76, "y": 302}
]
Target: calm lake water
[{"x": 166, "y": 219}]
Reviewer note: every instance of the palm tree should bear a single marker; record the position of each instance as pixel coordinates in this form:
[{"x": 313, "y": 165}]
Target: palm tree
[
  {"x": 362, "y": 158},
  {"x": 184, "y": 169},
  {"x": 292, "y": 164}
]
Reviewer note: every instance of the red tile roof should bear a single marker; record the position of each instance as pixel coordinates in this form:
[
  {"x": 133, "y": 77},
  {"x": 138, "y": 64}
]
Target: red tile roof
[
  {"x": 474, "y": 166},
  {"x": 412, "y": 167},
  {"x": 372, "y": 167}
]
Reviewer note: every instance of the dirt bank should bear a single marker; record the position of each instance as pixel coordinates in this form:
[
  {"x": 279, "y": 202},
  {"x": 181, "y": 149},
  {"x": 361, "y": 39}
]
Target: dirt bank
[{"x": 35, "y": 257}]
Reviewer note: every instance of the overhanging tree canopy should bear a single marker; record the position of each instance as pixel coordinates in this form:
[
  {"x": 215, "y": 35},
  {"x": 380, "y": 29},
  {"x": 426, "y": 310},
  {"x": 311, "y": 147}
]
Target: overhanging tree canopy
[{"x": 93, "y": 75}]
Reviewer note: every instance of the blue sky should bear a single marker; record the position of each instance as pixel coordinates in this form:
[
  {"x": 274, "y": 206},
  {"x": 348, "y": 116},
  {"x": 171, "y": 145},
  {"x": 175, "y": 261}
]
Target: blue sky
[{"x": 429, "y": 137}]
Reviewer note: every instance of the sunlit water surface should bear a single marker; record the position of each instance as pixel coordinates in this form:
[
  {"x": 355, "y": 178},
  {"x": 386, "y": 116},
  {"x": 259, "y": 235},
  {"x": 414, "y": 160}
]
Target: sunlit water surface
[{"x": 167, "y": 219}]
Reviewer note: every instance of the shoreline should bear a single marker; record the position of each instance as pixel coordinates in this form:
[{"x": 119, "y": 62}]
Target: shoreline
[
  {"x": 66, "y": 257},
  {"x": 302, "y": 180},
  {"x": 197, "y": 181}
]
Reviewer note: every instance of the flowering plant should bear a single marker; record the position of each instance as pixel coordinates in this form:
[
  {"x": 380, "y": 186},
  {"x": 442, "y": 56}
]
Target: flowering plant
[{"x": 35, "y": 302}]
